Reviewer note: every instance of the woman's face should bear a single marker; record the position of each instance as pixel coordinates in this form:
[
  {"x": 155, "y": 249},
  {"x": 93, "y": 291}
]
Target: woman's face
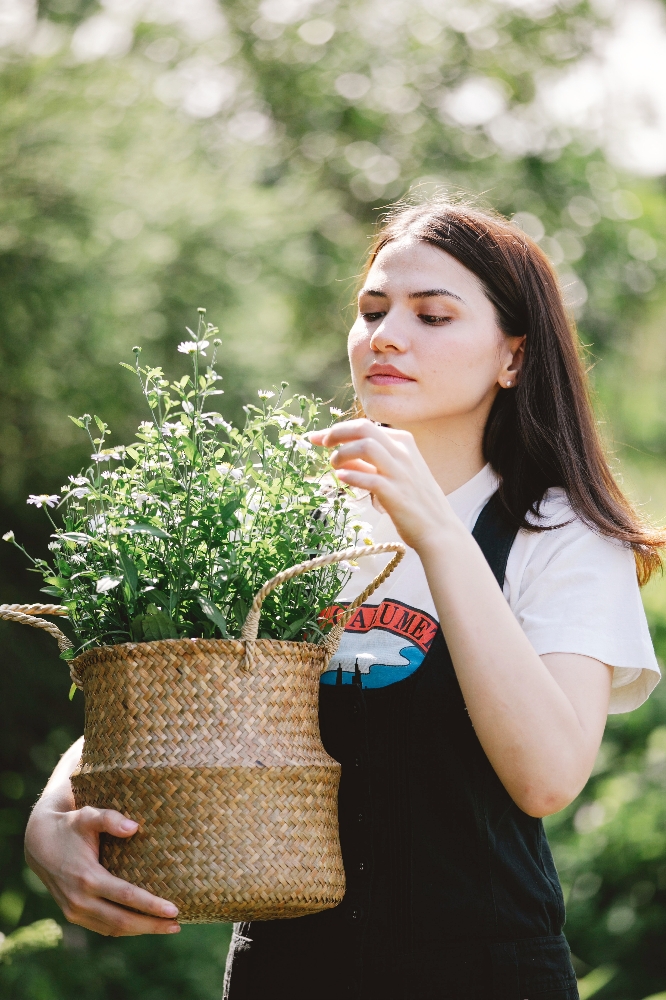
[{"x": 426, "y": 346}]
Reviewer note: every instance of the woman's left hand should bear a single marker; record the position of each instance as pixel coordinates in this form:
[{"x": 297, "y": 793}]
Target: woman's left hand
[{"x": 388, "y": 464}]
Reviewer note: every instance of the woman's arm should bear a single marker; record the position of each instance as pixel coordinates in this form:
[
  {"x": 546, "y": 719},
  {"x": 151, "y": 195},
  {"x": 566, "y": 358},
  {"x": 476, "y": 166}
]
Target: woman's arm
[
  {"x": 539, "y": 719},
  {"x": 62, "y": 848}
]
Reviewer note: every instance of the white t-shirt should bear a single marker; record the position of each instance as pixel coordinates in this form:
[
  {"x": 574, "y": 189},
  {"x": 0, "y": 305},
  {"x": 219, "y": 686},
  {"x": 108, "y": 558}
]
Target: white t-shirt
[{"x": 571, "y": 589}]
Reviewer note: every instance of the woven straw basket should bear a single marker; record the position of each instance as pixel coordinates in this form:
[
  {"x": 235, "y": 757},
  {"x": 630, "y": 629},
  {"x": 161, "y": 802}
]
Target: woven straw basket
[{"x": 213, "y": 746}]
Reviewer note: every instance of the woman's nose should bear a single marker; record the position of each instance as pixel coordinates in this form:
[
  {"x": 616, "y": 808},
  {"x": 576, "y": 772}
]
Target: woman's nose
[{"x": 390, "y": 335}]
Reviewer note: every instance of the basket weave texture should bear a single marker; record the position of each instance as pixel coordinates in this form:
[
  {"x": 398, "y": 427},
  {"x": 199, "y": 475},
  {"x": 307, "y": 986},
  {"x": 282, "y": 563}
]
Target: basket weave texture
[{"x": 224, "y": 770}]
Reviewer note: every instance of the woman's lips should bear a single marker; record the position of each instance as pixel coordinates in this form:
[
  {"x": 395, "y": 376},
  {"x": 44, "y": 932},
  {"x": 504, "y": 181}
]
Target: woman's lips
[{"x": 387, "y": 375}]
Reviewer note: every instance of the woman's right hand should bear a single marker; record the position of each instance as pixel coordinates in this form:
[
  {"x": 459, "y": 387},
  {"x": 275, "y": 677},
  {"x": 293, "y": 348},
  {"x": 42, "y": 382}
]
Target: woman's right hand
[{"x": 62, "y": 848}]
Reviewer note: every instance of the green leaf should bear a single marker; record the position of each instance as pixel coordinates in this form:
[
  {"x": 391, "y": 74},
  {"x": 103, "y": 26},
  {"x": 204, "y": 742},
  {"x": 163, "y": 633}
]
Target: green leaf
[
  {"x": 136, "y": 628},
  {"x": 75, "y": 420},
  {"x": 52, "y": 591},
  {"x": 296, "y": 626},
  {"x": 100, "y": 423},
  {"x": 190, "y": 449},
  {"x": 130, "y": 368},
  {"x": 67, "y": 654},
  {"x": 213, "y": 612},
  {"x": 146, "y": 529},
  {"x": 129, "y": 569},
  {"x": 157, "y": 596},
  {"x": 107, "y": 583},
  {"x": 133, "y": 453},
  {"x": 76, "y": 536},
  {"x": 228, "y": 510},
  {"x": 158, "y": 625},
  {"x": 72, "y": 692}
]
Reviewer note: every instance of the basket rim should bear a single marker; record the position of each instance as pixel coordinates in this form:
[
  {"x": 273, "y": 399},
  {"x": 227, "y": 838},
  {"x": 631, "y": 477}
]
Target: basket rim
[{"x": 235, "y": 645}]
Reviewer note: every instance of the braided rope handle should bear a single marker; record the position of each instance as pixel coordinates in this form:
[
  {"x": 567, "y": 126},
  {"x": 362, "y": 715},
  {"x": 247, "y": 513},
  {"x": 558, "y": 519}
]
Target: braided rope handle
[
  {"x": 250, "y": 629},
  {"x": 25, "y": 614}
]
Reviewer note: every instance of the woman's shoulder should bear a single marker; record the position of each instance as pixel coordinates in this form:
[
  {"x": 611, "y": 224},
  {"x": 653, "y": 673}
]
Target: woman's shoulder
[
  {"x": 569, "y": 543},
  {"x": 563, "y": 524}
]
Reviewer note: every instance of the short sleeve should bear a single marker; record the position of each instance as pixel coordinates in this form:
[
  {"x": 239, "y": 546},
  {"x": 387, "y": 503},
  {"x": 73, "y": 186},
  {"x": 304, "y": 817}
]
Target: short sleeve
[{"x": 575, "y": 591}]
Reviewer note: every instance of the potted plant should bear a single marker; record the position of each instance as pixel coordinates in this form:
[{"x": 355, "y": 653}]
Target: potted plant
[{"x": 200, "y": 677}]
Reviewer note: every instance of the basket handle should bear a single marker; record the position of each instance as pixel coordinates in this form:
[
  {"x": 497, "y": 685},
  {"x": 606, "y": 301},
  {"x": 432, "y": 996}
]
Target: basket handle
[
  {"x": 25, "y": 614},
  {"x": 250, "y": 629}
]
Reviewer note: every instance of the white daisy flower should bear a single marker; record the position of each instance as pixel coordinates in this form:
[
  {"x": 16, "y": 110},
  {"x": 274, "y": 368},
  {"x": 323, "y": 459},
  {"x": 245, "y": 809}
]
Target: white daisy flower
[
  {"x": 215, "y": 420},
  {"x": 43, "y": 499},
  {"x": 295, "y": 441},
  {"x": 191, "y": 347}
]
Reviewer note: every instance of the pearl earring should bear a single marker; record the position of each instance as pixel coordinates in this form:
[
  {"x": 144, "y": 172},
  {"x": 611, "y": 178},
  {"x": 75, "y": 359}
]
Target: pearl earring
[{"x": 508, "y": 384}]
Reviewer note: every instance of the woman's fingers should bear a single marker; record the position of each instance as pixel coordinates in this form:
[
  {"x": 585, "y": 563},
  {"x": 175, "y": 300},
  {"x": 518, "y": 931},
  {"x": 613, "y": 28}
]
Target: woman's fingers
[
  {"x": 364, "y": 481},
  {"x": 358, "y": 465},
  {"x": 368, "y": 450},
  {"x": 90, "y": 820},
  {"x": 344, "y": 431},
  {"x": 387, "y": 463},
  {"x": 103, "y": 917},
  {"x": 350, "y": 430},
  {"x": 62, "y": 847},
  {"x": 115, "y": 890},
  {"x": 88, "y": 894}
]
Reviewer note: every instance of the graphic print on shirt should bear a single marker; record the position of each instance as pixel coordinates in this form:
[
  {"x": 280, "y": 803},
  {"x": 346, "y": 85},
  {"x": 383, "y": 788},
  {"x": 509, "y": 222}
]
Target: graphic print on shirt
[{"x": 389, "y": 642}]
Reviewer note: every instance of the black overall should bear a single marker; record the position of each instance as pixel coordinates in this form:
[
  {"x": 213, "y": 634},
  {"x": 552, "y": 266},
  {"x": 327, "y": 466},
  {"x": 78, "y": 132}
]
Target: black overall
[{"x": 452, "y": 893}]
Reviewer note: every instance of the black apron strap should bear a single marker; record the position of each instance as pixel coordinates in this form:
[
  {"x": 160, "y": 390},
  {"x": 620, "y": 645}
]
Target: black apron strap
[{"x": 495, "y": 535}]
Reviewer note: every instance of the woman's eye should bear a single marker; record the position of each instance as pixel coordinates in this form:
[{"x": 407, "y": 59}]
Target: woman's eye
[
  {"x": 434, "y": 320},
  {"x": 372, "y": 317}
]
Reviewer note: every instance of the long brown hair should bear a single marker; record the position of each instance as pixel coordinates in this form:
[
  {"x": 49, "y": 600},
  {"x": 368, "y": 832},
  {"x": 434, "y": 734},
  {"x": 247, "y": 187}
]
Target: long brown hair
[{"x": 542, "y": 433}]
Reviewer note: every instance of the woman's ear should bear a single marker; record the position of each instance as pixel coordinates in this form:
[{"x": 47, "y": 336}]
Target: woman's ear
[{"x": 514, "y": 354}]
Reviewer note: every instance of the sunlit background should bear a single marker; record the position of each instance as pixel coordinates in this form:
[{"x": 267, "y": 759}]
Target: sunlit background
[{"x": 160, "y": 155}]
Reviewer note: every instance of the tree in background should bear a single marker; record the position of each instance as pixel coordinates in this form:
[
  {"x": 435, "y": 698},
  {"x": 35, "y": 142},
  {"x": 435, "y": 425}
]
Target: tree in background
[{"x": 157, "y": 156}]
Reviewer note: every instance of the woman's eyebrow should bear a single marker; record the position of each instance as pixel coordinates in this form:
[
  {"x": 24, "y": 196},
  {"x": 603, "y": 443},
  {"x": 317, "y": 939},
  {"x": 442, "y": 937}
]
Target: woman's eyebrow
[
  {"x": 428, "y": 294},
  {"x": 432, "y": 292}
]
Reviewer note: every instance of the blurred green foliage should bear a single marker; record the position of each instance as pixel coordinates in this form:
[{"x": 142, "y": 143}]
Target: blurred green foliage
[
  {"x": 35, "y": 937},
  {"x": 157, "y": 156}
]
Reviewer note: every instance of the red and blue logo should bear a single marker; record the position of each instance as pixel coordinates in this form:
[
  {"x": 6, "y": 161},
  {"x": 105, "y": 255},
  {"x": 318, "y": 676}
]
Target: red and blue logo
[{"x": 388, "y": 641}]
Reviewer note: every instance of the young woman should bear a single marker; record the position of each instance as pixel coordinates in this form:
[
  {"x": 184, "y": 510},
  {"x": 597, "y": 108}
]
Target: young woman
[{"x": 468, "y": 700}]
